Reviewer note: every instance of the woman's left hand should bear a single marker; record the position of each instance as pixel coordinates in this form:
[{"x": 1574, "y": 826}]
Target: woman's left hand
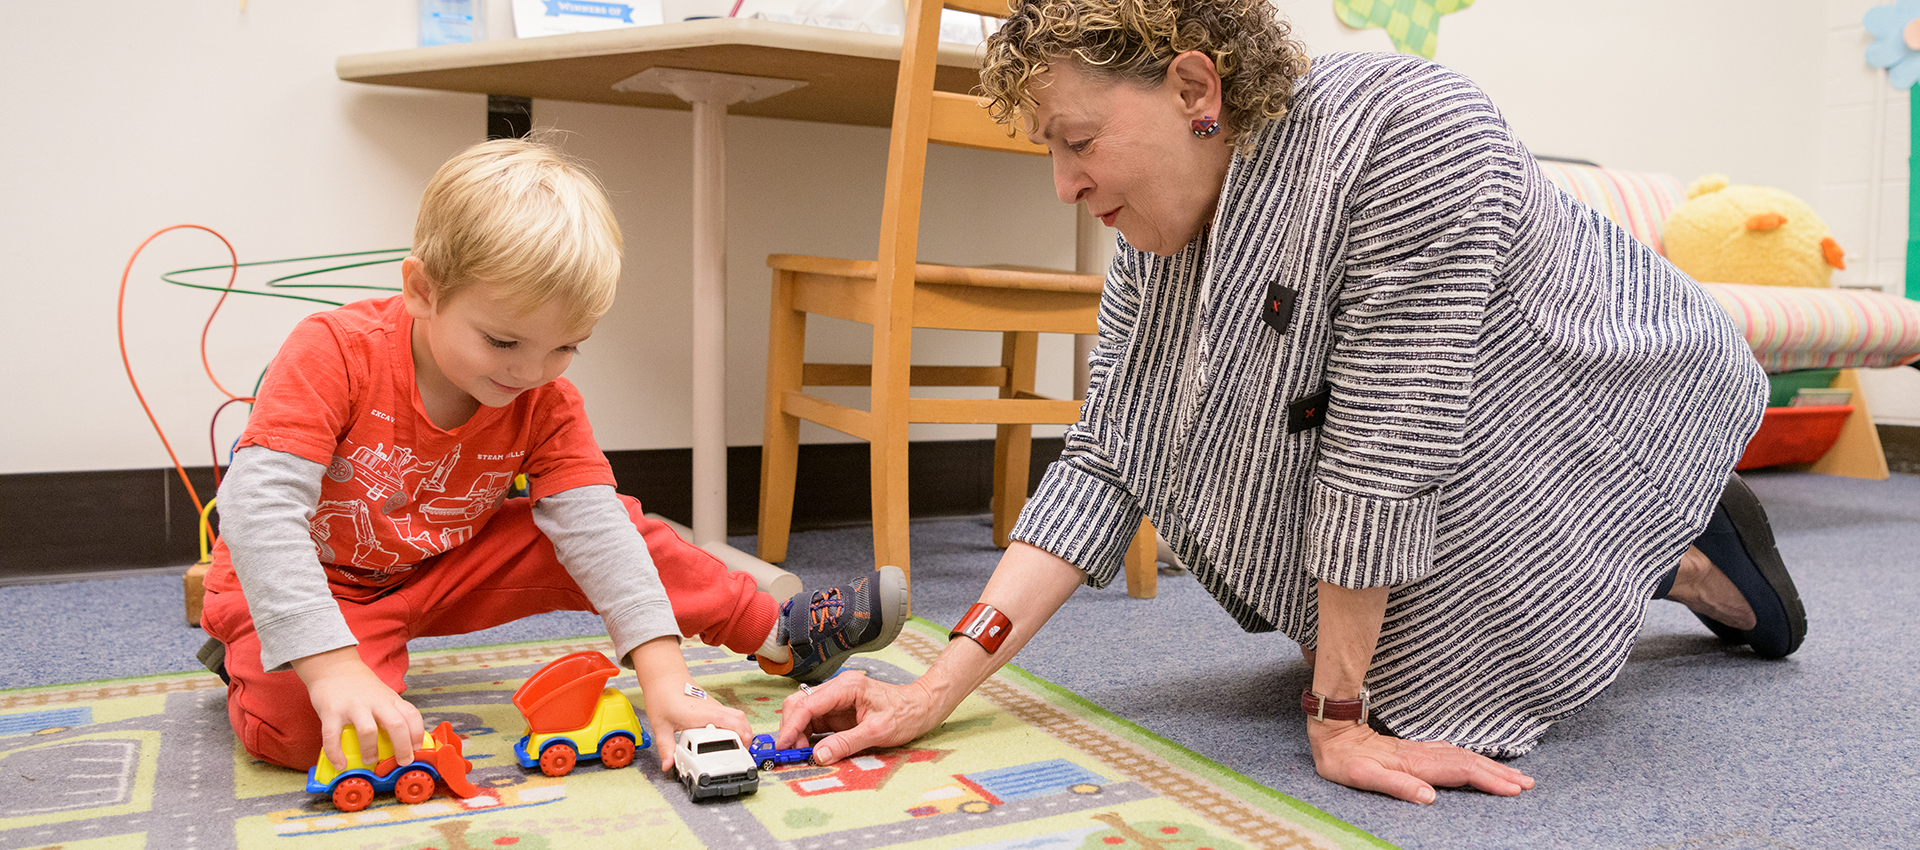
[{"x": 1354, "y": 755}]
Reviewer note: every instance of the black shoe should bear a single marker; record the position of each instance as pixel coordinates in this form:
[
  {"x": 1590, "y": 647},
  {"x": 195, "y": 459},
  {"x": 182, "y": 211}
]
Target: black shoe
[
  {"x": 1739, "y": 542},
  {"x": 213, "y": 653}
]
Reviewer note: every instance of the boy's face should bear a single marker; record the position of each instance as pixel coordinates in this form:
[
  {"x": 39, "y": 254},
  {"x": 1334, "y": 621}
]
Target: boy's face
[{"x": 479, "y": 347}]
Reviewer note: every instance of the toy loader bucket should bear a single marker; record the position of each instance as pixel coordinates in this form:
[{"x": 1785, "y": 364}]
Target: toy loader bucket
[
  {"x": 562, "y": 695},
  {"x": 452, "y": 765}
]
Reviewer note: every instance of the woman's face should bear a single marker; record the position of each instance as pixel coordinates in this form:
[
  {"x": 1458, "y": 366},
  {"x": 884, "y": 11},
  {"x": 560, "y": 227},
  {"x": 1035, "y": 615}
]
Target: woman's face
[{"x": 1128, "y": 151}]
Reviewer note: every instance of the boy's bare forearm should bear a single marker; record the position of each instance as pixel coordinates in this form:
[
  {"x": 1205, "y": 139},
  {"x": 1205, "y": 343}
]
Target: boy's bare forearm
[{"x": 657, "y": 664}]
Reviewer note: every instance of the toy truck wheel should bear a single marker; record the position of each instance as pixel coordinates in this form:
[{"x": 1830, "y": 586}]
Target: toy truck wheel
[
  {"x": 616, "y": 752},
  {"x": 352, "y": 794},
  {"x": 414, "y": 786},
  {"x": 767, "y": 764},
  {"x": 557, "y": 759}
]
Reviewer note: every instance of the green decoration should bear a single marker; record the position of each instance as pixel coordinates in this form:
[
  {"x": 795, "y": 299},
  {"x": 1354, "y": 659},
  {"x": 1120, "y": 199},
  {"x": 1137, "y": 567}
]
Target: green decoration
[
  {"x": 1913, "y": 195},
  {"x": 1414, "y": 25}
]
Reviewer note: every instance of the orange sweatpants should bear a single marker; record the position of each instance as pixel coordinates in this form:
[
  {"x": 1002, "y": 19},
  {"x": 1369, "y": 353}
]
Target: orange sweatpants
[{"x": 505, "y": 573}]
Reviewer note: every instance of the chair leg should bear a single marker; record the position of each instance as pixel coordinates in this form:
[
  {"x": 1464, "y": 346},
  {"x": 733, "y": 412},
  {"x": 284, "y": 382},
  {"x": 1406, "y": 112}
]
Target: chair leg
[
  {"x": 1013, "y": 444},
  {"x": 890, "y": 517},
  {"x": 780, "y": 442},
  {"x": 892, "y": 356},
  {"x": 1012, "y": 455},
  {"x": 1143, "y": 574}
]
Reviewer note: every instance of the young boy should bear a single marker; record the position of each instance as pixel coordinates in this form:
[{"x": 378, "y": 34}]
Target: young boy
[{"x": 366, "y": 503}]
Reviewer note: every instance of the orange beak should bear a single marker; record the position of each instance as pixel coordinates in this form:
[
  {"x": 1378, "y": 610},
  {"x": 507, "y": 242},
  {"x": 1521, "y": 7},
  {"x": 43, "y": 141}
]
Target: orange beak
[
  {"x": 1765, "y": 221},
  {"x": 1831, "y": 250}
]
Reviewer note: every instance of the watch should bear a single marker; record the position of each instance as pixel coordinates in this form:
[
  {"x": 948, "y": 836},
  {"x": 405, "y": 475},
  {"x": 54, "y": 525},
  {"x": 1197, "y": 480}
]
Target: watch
[
  {"x": 1322, "y": 708},
  {"x": 985, "y": 625}
]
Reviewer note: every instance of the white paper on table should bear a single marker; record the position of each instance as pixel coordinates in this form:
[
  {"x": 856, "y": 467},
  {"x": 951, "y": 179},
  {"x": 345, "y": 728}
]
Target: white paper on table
[
  {"x": 533, "y": 18},
  {"x": 887, "y": 17}
]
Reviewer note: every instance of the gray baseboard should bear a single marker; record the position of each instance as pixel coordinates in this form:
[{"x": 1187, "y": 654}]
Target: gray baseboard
[
  {"x": 70, "y": 524},
  {"x": 1902, "y": 445}
]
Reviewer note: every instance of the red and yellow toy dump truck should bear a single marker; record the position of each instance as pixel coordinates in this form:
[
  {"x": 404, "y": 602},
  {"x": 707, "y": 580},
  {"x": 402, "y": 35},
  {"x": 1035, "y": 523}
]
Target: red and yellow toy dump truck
[{"x": 572, "y": 715}]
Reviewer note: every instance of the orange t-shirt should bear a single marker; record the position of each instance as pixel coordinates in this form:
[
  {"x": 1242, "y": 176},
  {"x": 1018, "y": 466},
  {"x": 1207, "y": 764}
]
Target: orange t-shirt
[{"x": 399, "y": 489}]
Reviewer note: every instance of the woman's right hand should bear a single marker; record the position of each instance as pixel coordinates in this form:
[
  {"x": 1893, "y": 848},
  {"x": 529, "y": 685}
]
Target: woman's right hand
[
  {"x": 1028, "y": 586},
  {"x": 862, "y": 714}
]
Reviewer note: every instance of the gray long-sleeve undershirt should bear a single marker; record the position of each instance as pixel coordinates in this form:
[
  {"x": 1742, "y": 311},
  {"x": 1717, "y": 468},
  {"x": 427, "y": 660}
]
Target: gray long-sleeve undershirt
[{"x": 267, "y": 502}]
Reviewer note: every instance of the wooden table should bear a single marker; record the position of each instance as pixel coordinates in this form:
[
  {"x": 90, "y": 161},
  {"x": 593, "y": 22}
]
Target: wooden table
[{"x": 849, "y": 75}]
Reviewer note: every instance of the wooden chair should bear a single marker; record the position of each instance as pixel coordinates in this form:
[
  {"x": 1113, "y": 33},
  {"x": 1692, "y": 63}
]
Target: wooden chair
[{"x": 896, "y": 294}]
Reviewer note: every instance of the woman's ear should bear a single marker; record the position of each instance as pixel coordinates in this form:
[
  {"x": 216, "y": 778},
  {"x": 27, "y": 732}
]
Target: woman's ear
[
  {"x": 1194, "y": 78},
  {"x": 417, "y": 288}
]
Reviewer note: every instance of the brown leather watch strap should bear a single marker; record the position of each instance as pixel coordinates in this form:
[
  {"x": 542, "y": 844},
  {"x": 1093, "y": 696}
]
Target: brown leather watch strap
[{"x": 1321, "y": 708}]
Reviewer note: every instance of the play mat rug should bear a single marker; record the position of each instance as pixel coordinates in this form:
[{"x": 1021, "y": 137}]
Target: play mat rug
[{"x": 151, "y": 763}]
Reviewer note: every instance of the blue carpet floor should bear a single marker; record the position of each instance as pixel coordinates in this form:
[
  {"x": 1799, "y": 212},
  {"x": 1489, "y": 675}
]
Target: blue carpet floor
[{"x": 1697, "y": 746}]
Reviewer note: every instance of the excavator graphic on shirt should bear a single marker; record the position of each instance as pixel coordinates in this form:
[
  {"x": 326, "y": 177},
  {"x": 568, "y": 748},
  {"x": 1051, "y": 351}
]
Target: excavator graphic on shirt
[{"x": 344, "y": 530}]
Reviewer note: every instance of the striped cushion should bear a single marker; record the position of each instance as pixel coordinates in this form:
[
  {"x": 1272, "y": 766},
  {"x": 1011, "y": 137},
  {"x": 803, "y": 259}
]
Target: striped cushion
[
  {"x": 1791, "y": 327},
  {"x": 1638, "y": 201},
  {"x": 1788, "y": 327}
]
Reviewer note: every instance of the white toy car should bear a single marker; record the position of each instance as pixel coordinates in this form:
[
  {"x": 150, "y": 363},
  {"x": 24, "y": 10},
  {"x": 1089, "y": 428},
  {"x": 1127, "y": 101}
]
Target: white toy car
[{"x": 711, "y": 762}]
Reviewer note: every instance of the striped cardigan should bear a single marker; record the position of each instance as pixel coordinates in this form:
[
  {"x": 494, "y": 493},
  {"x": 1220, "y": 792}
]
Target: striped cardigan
[{"x": 1531, "y": 414}]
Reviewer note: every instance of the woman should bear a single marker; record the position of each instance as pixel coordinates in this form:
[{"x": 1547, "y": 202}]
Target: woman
[{"x": 1381, "y": 386}]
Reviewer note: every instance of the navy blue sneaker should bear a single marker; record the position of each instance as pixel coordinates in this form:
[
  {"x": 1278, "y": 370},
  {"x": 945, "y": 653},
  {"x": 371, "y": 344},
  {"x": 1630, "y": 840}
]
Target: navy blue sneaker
[
  {"x": 827, "y": 627},
  {"x": 1739, "y": 542}
]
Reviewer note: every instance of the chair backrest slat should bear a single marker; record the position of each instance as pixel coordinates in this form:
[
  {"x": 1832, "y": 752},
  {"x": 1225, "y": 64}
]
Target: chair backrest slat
[
  {"x": 959, "y": 120},
  {"x": 992, "y": 8}
]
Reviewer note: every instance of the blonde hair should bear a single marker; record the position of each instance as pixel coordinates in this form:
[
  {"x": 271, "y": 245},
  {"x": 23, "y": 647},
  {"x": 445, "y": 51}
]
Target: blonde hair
[
  {"x": 1135, "y": 40},
  {"x": 520, "y": 215}
]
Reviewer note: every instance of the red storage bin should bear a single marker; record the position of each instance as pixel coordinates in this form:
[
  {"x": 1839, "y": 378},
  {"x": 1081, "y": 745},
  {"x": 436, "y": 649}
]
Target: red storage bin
[{"x": 1794, "y": 435}]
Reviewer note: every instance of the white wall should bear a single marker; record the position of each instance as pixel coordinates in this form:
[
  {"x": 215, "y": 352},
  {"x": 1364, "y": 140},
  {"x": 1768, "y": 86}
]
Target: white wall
[
  {"x": 1681, "y": 86},
  {"x": 139, "y": 115},
  {"x": 1864, "y": 148}
]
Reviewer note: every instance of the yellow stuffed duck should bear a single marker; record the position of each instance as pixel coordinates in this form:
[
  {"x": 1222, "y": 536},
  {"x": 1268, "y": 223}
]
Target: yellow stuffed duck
[{"x": 1750, "y": 234}]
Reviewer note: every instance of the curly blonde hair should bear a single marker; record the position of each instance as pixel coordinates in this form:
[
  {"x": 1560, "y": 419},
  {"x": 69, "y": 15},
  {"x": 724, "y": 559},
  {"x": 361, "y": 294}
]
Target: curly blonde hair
[{"x": 1135, "y": 40}]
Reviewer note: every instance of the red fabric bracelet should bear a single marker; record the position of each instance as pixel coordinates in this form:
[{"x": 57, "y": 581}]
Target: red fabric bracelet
[{"x": 985, "y": 625}]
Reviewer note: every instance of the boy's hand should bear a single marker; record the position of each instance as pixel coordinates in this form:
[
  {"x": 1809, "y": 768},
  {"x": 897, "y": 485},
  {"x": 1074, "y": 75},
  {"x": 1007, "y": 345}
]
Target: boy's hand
[
  {"x": 679, "y": 711},
  {"x": 664, "y": 679},
  {"x": 345, "y": 691}
]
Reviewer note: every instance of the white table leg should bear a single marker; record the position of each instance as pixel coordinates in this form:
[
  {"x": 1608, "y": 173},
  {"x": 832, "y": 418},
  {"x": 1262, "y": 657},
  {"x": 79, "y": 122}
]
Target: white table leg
[
  {"x": 709, "y": 322},
  {"x": 710, "y": 94}
]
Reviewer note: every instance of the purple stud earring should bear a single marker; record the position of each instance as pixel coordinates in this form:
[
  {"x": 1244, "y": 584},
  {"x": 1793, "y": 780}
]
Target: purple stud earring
[{"x": 1205, "y": 127}]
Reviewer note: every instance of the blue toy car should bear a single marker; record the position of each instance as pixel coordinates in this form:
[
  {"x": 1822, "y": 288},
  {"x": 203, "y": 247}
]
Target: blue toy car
[{"x": 768, "y": 757}]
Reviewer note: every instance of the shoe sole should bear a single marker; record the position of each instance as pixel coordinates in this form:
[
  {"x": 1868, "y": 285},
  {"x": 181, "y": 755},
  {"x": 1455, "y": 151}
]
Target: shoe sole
[
  {"x": 895, "y": 599},
  {"x": 1756, "y": 536}
]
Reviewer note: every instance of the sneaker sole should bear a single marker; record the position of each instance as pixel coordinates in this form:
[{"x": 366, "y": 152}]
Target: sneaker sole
[
  {"x": 1756, "y": 535},
  {"x": 896, "y": 600}
]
